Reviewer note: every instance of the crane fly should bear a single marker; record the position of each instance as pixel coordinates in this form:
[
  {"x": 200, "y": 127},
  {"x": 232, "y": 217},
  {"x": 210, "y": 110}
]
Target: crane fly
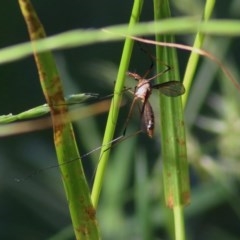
[{"x": 141, "y": 93}]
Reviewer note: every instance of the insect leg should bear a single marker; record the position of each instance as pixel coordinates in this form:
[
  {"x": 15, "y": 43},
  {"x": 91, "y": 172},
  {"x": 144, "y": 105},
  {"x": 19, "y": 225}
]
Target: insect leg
[{"x": 129, "y": 116}]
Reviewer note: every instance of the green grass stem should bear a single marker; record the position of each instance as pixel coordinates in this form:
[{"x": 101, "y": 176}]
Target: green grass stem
[
  {"x": 173, "y": 142},
  {"x": 194, "y": 57},
  {"x": 114, "y": 109}
]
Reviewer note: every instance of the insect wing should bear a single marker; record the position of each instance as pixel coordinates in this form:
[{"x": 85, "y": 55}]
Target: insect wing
[{"x": 171, "y": 88}]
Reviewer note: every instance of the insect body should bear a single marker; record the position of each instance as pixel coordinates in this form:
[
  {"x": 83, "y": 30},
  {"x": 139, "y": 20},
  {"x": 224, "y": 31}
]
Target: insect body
[{"x": 143, "y": 91}]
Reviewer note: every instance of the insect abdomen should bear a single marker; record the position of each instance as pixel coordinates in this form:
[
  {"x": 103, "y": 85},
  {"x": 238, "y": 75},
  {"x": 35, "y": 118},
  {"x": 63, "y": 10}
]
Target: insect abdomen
[{"x": 148, "y": 119}]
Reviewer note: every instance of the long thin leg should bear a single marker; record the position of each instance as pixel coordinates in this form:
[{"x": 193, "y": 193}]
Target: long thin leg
[
  {"x": 159, "y": 74},
  {"x": 129, "y": 116},
  {"x": 151, "y": 57}
]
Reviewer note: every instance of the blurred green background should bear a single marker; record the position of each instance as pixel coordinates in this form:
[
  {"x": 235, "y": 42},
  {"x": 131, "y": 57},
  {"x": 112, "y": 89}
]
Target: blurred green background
[{"x": 36, "y": 208}]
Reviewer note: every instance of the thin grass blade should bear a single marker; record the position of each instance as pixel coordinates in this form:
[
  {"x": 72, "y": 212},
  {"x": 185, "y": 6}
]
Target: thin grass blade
[
  {"x": 194, "y": 57},
  {"x": 114, "y": 109}
]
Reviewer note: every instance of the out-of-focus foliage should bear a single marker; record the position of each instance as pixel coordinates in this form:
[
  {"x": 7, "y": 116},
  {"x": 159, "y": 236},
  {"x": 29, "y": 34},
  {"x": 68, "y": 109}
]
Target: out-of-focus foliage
[{"x": 130, "y": 202}]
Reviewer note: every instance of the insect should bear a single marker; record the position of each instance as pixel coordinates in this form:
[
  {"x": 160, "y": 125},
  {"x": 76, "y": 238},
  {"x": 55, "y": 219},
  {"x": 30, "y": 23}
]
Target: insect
[{"x": 142, "y": 93}]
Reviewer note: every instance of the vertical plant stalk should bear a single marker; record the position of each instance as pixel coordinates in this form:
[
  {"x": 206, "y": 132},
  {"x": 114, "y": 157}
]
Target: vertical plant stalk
[
  {"x": 81, "y": 209},
  {"x": 174, "y": 153},
  {"x": 116, "y": 101},
  {"x": 194, "y": 57}
]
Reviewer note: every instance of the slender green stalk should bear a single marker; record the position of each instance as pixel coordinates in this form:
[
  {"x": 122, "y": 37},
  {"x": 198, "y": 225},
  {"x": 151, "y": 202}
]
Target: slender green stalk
[
  {"x": 114, "y": 109},
  {"x": 174, "y": 154},
  {"x": 76, "y": 188},
  {"x": 178, "y": 215},
  {"x": 194, "y": 57}
]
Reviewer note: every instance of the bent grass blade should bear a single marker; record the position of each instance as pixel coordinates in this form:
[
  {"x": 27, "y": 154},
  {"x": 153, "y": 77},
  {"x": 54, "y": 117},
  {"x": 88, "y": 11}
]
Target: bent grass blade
[{"x": 199, "y": 51}]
